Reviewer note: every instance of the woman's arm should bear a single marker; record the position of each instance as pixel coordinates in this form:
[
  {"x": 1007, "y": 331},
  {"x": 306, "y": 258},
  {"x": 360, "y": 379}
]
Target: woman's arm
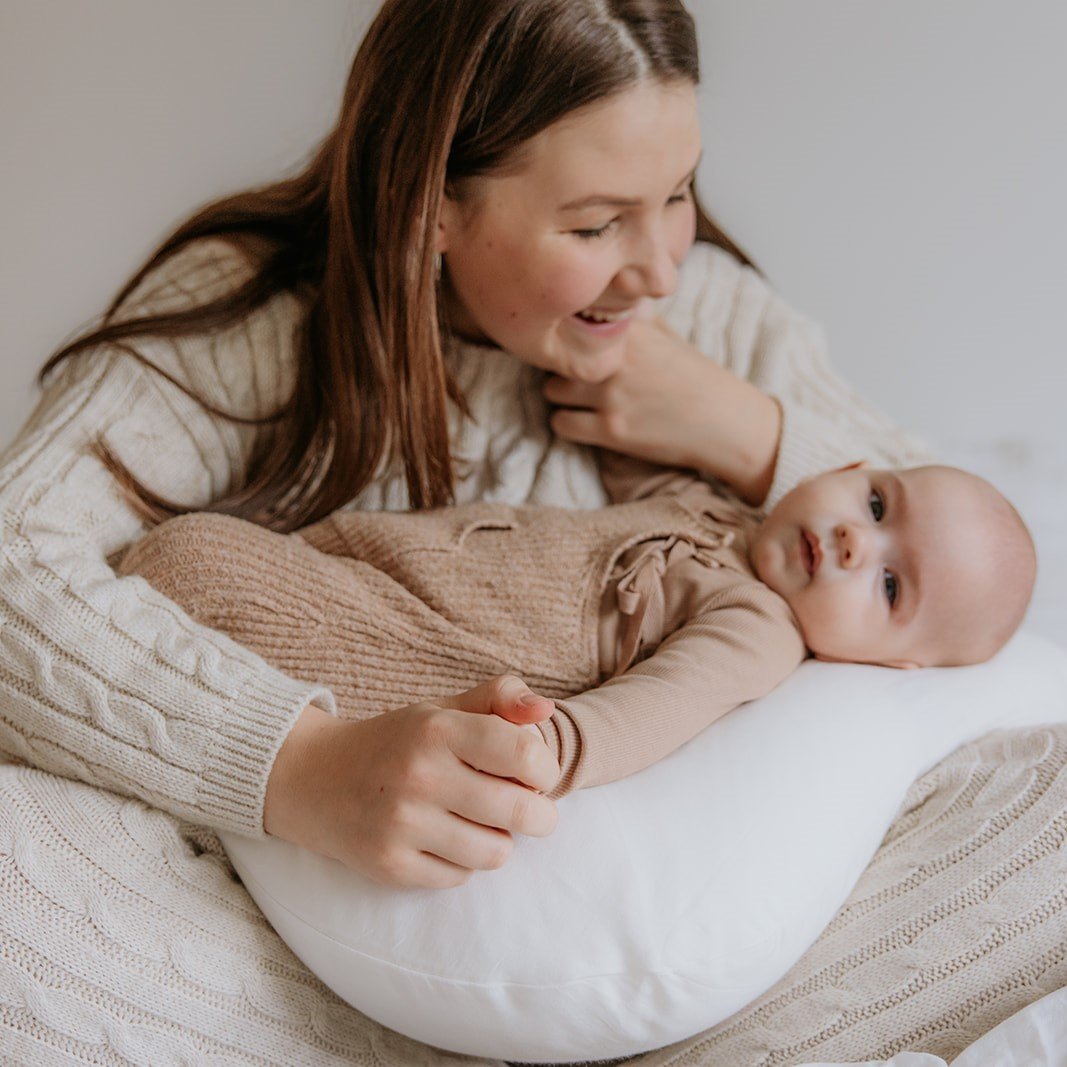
[
  {"x": 106, "y": 680},
  {"x": 103, "y": 679},
  {"x": 418, "y": 795},
  {"x": 731, "y": 382}
]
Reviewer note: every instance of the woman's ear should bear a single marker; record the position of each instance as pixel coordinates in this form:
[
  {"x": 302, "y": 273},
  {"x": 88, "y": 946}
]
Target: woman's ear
[{"x": 448, "y": 219}]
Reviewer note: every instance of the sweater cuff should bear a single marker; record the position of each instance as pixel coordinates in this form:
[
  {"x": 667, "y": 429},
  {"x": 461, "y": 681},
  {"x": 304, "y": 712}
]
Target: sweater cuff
[
  {"x": 805, "y": 449},
  {"x": 250, "y": 733}
]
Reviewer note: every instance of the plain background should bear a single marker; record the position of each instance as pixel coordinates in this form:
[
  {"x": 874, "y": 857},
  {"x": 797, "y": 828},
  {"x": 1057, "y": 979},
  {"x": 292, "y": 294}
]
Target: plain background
[{"x": 897, "y": 169}]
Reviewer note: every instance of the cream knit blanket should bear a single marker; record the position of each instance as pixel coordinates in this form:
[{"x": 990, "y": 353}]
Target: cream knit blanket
[{"x": 959, "y": 921}]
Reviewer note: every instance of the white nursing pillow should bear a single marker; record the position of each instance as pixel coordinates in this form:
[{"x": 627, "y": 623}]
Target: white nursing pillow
[{"x": 664, "y": 902}]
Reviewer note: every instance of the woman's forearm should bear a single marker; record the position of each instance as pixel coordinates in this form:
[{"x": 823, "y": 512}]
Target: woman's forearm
[
  {"x": 740, "y": 447},
  {"x": 670, "y": 404}
]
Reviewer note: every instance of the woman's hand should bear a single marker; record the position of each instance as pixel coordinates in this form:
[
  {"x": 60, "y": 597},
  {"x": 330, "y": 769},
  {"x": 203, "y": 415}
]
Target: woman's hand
[
  {"x": 420, "y": 796},
  {"x": 671, "y": 405}
]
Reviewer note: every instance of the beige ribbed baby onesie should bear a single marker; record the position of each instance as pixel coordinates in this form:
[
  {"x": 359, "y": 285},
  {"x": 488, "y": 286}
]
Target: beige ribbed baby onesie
[{"x": 387, "y": 609}]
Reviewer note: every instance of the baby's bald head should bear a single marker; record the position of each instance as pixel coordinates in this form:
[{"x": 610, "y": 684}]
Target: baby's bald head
[{"x": 987, "y": 592}]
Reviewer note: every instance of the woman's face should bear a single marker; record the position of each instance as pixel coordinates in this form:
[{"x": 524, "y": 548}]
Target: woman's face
[{"x": 551, "y": 260}]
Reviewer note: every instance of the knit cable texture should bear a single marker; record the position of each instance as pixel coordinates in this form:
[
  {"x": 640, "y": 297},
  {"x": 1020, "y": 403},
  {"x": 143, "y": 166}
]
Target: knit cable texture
[
  {"x": 126, "y": 938},
  {"x": 959, "y": 921}
]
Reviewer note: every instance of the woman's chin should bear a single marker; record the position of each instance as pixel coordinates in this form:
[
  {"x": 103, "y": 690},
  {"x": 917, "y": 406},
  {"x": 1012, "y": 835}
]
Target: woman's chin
[{"x": 593, "y": 363}]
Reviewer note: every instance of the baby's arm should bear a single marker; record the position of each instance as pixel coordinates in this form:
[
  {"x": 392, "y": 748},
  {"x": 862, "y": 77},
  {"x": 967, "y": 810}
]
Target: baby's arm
[{"x": 738, "y": 645}]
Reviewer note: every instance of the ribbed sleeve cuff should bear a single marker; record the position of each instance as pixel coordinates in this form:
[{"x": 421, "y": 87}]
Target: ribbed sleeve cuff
[
  {"x": 250, "y": 733},
  {"x": 564, "y": 739}
]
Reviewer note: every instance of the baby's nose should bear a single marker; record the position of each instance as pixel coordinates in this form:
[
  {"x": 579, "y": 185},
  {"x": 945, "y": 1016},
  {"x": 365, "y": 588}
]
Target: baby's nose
[{"x": 851, "y": 545}]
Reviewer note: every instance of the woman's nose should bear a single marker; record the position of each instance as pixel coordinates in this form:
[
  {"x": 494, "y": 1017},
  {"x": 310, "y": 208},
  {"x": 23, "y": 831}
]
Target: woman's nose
[
  {"x": 653, "y": 272},
  {"x": 851, "y": 545}
]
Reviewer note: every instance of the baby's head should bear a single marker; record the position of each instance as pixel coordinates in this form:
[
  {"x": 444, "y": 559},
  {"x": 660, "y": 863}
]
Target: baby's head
[{"x": 929, "y": 567}]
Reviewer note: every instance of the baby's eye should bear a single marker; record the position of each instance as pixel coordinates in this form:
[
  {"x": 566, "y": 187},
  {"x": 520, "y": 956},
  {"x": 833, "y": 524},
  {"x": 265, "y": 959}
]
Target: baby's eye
[
  {"x": 892, "y": 590},
  {"x": 877, "y": 505}
]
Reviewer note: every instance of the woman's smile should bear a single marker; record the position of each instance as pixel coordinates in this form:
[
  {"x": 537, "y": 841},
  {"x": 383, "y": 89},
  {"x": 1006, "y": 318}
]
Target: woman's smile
[{"x": 519, "y": 265}]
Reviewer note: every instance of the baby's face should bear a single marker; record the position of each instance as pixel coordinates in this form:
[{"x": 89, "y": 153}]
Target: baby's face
[{"x": 876, "y": 565}]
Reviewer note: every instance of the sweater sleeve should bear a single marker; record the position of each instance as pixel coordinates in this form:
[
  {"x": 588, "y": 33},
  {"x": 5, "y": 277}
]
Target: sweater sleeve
[
  {"x": 738, "y": 645},
  {"x": 729, "y": 313},
  {"x": 101, "y": 678}
]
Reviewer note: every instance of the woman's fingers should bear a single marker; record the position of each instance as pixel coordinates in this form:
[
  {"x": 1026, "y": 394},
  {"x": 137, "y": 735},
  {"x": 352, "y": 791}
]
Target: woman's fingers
[
  {"x": 459, "y": 848},
  {"x": 462, "y": 843},
  {"x": 582, "y": 427},
  {"x": 421, "y": 870},
  {"x": 506, "y": 695},
  {"x": 569, "y": 393},
  {"x": 417, "y": 796},
  {"x": 495, "y": 802},
  {"x": 504, "y": 750}
]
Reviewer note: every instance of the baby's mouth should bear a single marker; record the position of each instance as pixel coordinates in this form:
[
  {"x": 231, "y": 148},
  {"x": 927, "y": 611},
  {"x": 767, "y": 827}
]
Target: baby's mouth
[{"x": 811, "y": 551}]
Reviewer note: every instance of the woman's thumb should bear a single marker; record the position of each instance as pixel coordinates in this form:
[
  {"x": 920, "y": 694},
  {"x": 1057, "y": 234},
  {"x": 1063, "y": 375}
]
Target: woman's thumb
[{"x": 507, "y": 696}]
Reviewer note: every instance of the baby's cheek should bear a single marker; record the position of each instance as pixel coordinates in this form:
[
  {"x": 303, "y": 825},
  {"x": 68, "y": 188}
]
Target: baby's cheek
[{"x": 821, "y": 626}]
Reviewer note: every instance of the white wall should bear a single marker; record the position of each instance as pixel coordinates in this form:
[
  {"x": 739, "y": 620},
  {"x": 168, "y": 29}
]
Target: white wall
[
  {"x": 897, "y": 169},
  {"x": 118, "y": 117},
  {"x": 900, "y": 172}
]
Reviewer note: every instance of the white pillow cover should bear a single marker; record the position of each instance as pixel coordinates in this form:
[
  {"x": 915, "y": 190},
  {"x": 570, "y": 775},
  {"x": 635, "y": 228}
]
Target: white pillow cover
[{"x": 666, "y": 901}]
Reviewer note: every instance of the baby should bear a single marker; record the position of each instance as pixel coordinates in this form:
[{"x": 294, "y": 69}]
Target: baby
[
  {"x": 915, "y": 568},
  {"x": 644, "y": 621}
]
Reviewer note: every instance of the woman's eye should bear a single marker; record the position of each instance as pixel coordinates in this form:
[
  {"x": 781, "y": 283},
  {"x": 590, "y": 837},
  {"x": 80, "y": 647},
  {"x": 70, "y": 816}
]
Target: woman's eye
[
  {"x": 678, "y": 198},
  {"x": 892, "y": 590},
  {"x": 589, "y": 235},
  {"x": 877, "y": 505}
]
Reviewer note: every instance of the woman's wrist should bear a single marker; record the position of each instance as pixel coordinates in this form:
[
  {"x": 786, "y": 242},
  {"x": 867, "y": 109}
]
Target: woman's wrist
[
  {"x": 742, "y": 447},
  {"x": 294, "y": 766}
]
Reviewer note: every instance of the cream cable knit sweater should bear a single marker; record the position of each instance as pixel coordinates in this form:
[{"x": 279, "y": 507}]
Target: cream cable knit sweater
[
  {"x": 118, "y": 939},
  {"x": 107, "y": 682}
]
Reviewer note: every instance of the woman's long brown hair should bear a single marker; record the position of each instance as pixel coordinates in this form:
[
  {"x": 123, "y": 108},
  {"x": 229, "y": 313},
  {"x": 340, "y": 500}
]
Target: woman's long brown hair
[{"x": 439, "y": 91}]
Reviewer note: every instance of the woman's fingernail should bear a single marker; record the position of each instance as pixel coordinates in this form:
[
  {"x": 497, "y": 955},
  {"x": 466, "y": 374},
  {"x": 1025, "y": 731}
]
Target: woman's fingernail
[{"x": 529, "y": 700}]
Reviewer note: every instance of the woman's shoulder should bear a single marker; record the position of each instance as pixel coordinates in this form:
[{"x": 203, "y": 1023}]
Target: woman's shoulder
[
  {"x": 710, "y": 282},
  {"x": 246, "y": 366},
  {"x": 195, "y": 275},
  {"x": 723, "y": 306}
]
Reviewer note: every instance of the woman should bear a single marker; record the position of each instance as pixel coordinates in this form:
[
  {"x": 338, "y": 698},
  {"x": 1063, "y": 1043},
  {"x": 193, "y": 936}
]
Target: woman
[{"x": 477, "y": 244}]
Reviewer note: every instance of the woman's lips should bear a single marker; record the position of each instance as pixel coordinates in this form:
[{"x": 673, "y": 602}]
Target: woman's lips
[
  {"x": 606, "y": 314},
  {"x": 604, "y": 322}
]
